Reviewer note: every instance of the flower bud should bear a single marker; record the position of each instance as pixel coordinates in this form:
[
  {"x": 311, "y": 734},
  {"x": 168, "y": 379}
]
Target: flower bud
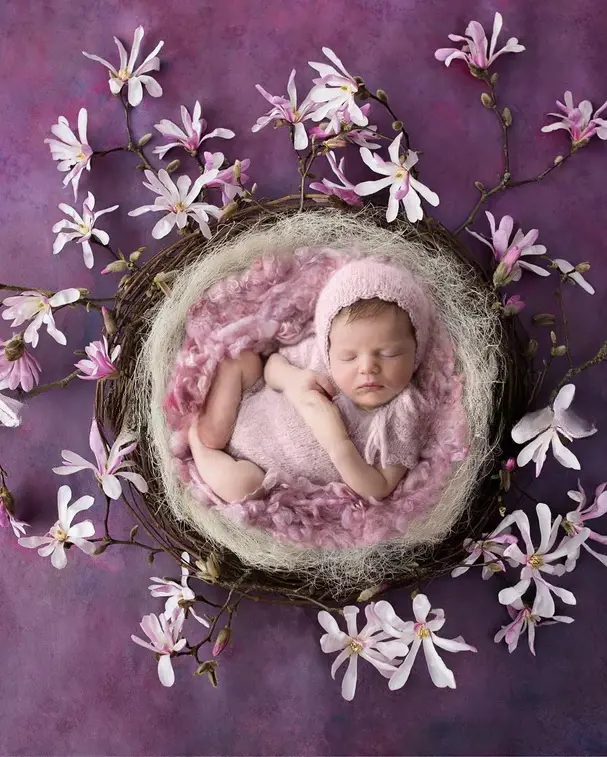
[
  {"x": 531, "y": 348},
  {"x": 552, "y": 338},
  {"x": 144, "y": 140},
  {"x": 502, "y": 510},
  {"x": 133, "y": 533},
  {"x": 487, "y": 100},
  {"x": 510, "y": 464},
  {"x": 7, "y": 501},
  {"x": 582, "y": 267},
  {"x": 162, "y": 280},
  {"x": 109, "y": 321},
  {"x": 543, "y": 319},
  {"x": 222, "y": 640},
  {"x": 381, "y": 96},
  {"x": 100, "y": 549},
  {"x": 480, "y": 186},
  {"x": 477, "y": 72},
  {"x": 173, "y": 165},
  {"x": 507, "y": 117},
  {"x": 495, "y": 567},
  {"x": 150, "y": 557},
  {"x": 505, "y": 480},
  {"x": 117, "y": 266},
  {"x": 397, "y": 125},
  {"x": 366, "y": 594},
  {"x": 254, "y": 188},
  {"x": 229, "y": 210},
  {"x": 494, "y": 78},
  {"x": 501, "y": 275},
  {"x": 208, "y": 669},
  {"x": 558, "y": 159},
  {"x": 134, "y": 256},
  {"x": 14, "y": 348},
  {"x": 83, "y": 293},
  {"x": 559, "y": 351},
  {"x": 236, "y": 170}
]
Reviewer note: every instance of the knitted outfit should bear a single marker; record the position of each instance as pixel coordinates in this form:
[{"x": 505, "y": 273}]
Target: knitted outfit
[{"x": 270, "y": 432}]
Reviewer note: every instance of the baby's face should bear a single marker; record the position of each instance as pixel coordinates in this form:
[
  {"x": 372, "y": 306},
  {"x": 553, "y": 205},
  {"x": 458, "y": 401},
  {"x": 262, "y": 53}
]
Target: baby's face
[{"x": 378, "y": 350}]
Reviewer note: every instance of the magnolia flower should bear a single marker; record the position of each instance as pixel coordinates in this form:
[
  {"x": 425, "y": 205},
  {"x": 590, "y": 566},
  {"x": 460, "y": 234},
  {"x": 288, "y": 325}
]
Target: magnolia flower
[
  {"x": 546, "y": 425},
  {"x": 510, "y": 252},
  {"x": 491, "y": 548},
  {"x": 100, "y": 365},
  {"x": 179, "y": 200},
  {"x": 513, "y": 304},
  {"x": 10, "y": 412},
  {"x": 6, "y": 513},
  {"x": 137, "y": 78},
  {"x": 573, "y": 523},
  {"x": 229, "y": 180},
  {"x": 525, "y": 618},
  {"x": 538, "y": 561},
  {"x": 23, "y": 371},
  {"x": 416, "y": 634},
  {"x": 37, "y": 307},
  {"x": 108, "y": 467},
  {"x": 71, "y": 153},
  {"x": 340, "y": 130},
  {"x": 346, "y": 191},
  {"x": 287, "y": 110},
  {"x": 579, "y": 121},
  {"x": 402, "y": 185},
  {"x": 163, "y": 634},
  {"x": 474, "y": 51},
  {"x": 81, "y": 228},
  {"x": 178, "y": 594},
  {"x": 63, "y": 532},
  {"x": 190, "y": 137},
  {"x": 574, "y": 276},
  {"x": 369, "y": 644},
  {"x": 336, "y": 88}
]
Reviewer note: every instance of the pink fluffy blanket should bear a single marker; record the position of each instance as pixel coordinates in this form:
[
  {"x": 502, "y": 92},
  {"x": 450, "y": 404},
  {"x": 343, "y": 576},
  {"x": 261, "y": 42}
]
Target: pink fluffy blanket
[{"x": 270, "y": 305}]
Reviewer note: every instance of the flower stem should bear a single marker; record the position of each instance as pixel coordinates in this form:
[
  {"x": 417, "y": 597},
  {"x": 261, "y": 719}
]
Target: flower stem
[
  {"x": 61, "y": 383},
  {"x": 559, "y": 296},
  {"x": 386, "y": 105},
  {"x": 132, "y": 145},
  {"x": 598, "y": 358},
  {"x": 101, "y": 153}
]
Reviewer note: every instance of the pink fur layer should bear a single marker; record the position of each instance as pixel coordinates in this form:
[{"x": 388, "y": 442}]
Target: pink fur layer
[{"x": 272, "y": 304}]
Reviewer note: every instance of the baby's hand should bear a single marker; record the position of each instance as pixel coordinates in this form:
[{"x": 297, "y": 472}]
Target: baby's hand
[{"x": 307, "y": 380}]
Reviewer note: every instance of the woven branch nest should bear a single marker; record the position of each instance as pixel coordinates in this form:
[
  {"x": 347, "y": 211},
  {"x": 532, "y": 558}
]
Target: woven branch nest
[{"x": 140, "y": 300}]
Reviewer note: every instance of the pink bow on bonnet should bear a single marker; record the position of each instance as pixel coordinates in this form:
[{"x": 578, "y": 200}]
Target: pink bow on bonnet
[{"x": 364, "y": 280}]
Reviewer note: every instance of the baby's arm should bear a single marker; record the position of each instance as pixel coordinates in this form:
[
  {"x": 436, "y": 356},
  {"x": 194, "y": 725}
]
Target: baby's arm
[
  {"x": 363, "y": 478},
  {"x": 279, "y": 373}
]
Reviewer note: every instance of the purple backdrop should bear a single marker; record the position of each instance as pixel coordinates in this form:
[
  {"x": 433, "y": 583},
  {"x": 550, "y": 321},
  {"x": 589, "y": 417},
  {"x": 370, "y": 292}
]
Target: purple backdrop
[{"x": 72, "y": 681}]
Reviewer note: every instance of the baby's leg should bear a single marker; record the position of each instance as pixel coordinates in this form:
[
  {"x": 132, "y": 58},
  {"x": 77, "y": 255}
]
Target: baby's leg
[
  {"x": 230, "y": 479},
  {"x": 217, "y": 419}
]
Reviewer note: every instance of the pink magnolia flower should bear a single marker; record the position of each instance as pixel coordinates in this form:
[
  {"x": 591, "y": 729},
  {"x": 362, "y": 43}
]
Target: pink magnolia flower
[
  {"x": 340, "y": 130},
  {"x": 177, "y": 593},
  {"x": 512, "y": 304},
  {"x": 81, "y": 229},
  {"x": 370, "y": 644},
  {"x": 574, "y": 276},
  {"x": 336, "y": 88},
  {"x": 72, "y": 153},
  {"x": 402, "y": 185},
  {"x": 573, "y": 522},
  {"x": 178, "y": 201},
  {"x": 37, "y": 308},
  {"x": 490, "y": 547},
  {"x": 164, "y": 634},
  {"x": 10, "y": 412},
  {"x": 525, "y": 619},
  {"x": 422, "y": 632},
  {"x": 126, "y": 73},
  {"x": 474, "y": 51},
  {"x": 23, "y": 372},
  {"x": 346, "y": 191},
  {"x": 226, "y": 179},
  {"x": 63, "y": 532},
  {"x": 579, "y": 121},
  {"x": 190, "y": 137},
  {"x": 511, "y": 252},
  {"x": 538, "y": 561},
  {"x": 543, "y": 428},
  {"x": 288, "y": 110},
  {"x": 108, "y": 467},
  {"x": 6, "y": 516},
  {"x": 100, "y": 365}
]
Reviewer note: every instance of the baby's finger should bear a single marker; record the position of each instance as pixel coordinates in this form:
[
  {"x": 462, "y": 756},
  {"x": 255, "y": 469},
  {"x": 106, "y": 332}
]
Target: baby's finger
[{"x": 327, "y": 385}]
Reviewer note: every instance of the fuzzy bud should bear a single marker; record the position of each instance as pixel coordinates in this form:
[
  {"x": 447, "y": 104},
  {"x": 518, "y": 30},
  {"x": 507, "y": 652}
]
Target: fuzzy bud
[
  {"x": 173, "y": 165},
  {"x": 582, "y": 267},
  {"x": 208, "y": 669},
  {"x": 109, "y": 321},
  {"x": 559, "y": 351},
  {"x": 558, "y": 159},
  {"x": 150, "y": 557},
  {"x": 531, "y": 348},
  {"x": 381, "y": 96},
  {"x": 7, "y": 501},
  {"x": 502, "y": 511},
  {"x": 100, "y": 549},
  {"x": 221, "y": 642},
  {"x": 494, "y": 78},
  {"x": 397, "y": 125},
  {"x": 507, "y": 117},
  {"x": 366, "y": 594},
  {"x": 134, "y": 256},
  {"x": 501, "y": 275},
  {"x": 144, "y": 140},
  {"x": 229, "y": 210},
  {"x": 117, "y": 266},
  {"x": 510, "y": 464},
  {"x": 543, "y": 319},
  {"x": 236, "y": 170},
  {"x": 480, "y": 186},
  {"x": 487, "y": 100},
  {"x": 552, "y": 338},
  {"x": 505, "y": 480},
  {"x": 14, "y": 348}
]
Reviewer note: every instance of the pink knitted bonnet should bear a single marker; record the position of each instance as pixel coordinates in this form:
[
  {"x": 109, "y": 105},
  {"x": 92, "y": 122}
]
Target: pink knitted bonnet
[{"x": 364, "y": 280}]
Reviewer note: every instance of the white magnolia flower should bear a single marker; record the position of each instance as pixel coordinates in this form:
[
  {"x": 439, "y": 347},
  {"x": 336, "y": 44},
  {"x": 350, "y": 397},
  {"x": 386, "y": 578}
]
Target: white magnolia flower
[
  {"x": 108, "y": 467},
  {"x": 336, "y": 88},
  {"x": 71, "y": 152},
  {"x": 178, "y": 201},
  {"x": 422, "y": 632},
  {"x": 190, "y": 137},
  {"x": 126, "y": 73},
  {"x": 525, "y": 618},
  {"x": 490, "y": 547},
  {"x": 370, "y": 644},
  {"x": 81, "y": 228},
  {"x": 546, "y": 425},
  {"x": 566, "y": 267},
  {"x": 177, "y": 593},
  {"x": 402, "y": 185},
  {"x": 573, "y": 522},
  {"x": 163, "y": 634},
  {"x": 63, "y": 532},
  {"x": 10, "y": 412},
  {"x": 538, "y": 561},
  {"x": 37, "y": 308}
]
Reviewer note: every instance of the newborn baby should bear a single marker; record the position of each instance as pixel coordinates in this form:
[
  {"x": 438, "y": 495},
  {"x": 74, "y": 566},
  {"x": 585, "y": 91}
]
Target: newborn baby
[{"x": 328, "y": 406}]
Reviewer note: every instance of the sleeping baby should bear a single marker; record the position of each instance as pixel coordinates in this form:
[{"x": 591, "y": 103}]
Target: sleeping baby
[{"x": 339, "y": 406}]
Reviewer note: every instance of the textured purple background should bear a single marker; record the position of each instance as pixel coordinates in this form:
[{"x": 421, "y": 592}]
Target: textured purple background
[{"x": 72, "y": 681}]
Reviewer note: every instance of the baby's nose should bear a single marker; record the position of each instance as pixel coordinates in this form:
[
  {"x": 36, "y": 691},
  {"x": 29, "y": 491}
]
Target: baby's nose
[{"x": 368, "y": 364}]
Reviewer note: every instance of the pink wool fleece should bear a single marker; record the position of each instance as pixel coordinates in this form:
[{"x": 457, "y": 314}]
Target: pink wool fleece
[{"x": 270, "y": 305}]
